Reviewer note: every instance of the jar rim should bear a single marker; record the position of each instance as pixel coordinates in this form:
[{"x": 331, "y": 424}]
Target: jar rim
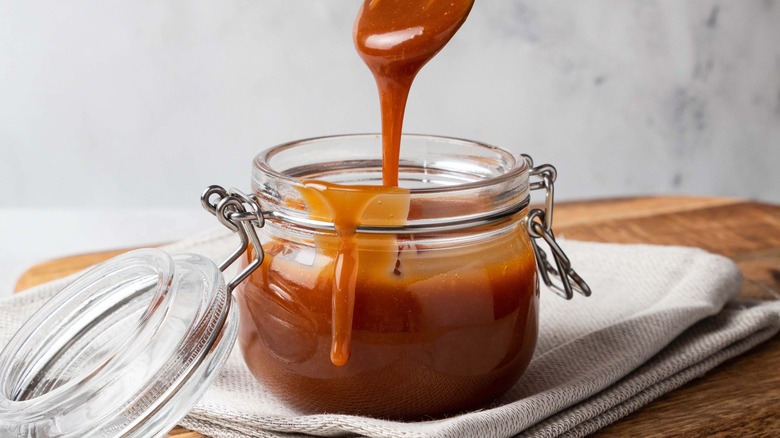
[
  {"x": 520, "y": 164},
  {"x": 450, "y": 183}
]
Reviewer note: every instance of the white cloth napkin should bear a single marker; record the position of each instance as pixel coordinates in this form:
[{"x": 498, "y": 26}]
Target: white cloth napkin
[{"x": 658, "y": 317}]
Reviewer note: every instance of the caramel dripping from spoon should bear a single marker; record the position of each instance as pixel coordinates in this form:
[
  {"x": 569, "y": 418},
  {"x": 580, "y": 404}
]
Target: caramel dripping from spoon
[{"x": 396, "y": 38}]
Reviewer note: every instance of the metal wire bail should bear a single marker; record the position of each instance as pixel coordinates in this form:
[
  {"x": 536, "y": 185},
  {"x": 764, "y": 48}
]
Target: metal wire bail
[
  {"x": 540, "y": 227},
  {"x": 241, "y": 214}
]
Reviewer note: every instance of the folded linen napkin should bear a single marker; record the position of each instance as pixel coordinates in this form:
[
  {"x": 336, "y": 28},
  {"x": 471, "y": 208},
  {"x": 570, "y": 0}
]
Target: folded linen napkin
[{"x": 656, "y": 320}]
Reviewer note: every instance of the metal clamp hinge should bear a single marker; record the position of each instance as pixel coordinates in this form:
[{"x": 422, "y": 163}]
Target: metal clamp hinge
[
  {"x": 241, "y": 214},
  {"x": 540, "y": 227}
]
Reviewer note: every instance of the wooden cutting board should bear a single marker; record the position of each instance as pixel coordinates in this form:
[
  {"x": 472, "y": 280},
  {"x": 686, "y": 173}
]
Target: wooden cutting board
[{"x": 738, "y": 398}]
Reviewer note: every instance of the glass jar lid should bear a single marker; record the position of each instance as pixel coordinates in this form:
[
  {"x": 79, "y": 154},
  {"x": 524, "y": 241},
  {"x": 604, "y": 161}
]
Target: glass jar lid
[{"x": 126, "y": 349}]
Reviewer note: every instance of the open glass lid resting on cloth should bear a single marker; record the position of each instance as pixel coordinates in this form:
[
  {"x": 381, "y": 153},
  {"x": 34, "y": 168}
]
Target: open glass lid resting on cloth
[
  {"x": 124, "y": 350},
  {"x": 129, "y": 347}
]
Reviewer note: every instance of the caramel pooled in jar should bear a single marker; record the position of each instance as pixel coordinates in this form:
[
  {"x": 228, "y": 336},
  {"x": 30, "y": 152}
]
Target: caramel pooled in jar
[{"x": 439, "y": 323}]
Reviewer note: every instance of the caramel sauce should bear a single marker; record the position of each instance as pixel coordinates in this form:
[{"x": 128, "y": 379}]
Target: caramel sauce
[
  {"x": 396, "y": 38},
  {"x": 415, "y": 327}
]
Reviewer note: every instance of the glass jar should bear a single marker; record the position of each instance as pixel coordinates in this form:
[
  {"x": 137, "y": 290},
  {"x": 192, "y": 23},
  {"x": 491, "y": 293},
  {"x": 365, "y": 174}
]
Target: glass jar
[{"x": 437, "y": 311}]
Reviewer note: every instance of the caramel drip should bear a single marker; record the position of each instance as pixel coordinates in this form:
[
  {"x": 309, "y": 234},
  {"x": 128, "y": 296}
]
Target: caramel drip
[
  {"x": 347, "y": 207},
  {"x": 396, "y": 38}
]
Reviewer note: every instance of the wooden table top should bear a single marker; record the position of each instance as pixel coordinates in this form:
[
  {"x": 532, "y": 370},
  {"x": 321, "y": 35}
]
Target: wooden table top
[{"x": 738, "y": 398}]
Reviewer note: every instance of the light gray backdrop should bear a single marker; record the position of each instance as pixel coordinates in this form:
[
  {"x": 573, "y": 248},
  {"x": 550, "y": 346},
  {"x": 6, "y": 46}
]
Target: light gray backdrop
[{"x": 142, "y": 103}]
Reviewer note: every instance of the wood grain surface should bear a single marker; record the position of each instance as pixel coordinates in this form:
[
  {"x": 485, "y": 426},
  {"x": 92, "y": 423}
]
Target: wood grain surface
[{"x": 739, "y": 398}]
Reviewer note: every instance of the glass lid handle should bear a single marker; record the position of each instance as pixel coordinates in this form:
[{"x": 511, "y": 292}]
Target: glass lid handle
[
  {"x": 241, "y": 214},
  {"x": 540, "y": 227}
]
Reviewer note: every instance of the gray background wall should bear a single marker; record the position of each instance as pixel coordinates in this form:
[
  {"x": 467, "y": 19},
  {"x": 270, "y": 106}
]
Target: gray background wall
[{"x": 143, "y": 103}]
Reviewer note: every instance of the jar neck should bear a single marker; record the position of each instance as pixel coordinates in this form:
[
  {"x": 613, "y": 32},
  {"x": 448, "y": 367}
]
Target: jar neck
[{"x": 446, "y": 184}]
